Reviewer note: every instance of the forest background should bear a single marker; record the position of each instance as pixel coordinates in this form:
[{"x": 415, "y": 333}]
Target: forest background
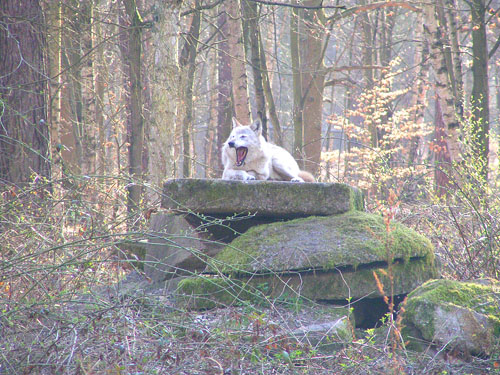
[{"x": 101, "y": 101}]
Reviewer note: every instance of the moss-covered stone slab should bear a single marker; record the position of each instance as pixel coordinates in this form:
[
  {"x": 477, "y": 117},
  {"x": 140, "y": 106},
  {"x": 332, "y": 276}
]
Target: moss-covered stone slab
[
  {"x": 209, "y": 291},
  {"x": 263, "y": 198},
  {"x": 344, "y": 241},
  {"x": 463, "y": 316},
  {"x": 341, "y": 285}
]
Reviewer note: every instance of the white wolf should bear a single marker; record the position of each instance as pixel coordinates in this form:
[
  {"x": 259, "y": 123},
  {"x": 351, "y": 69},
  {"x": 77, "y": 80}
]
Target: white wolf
[{"x": 246, "y": 155}]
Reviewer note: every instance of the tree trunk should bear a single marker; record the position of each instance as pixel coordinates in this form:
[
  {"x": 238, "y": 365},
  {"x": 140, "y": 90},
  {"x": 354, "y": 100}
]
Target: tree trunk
[
  {"x": 298, "y": 131},
  {"x": 135, "y": 104},
  {"x": 268, "y": 93},
  {"x": 480, "y": 105},
  {"x": 313, "y": 78},
  {"x": 187, "y": 65},
  {"x": 251, "y": 17},
  {"x": 24, "y": 127},
  {"x": 224, "y": 110},
  {"x": 238, "y": 68},
  {"x": 99, "y": 73},
  {"x": 54, "y": 42},
  {"x": 441, "y": 153},
  {"x": 443, "y": 91},
  {"x": 451, "y": 16},
  {"x": 164, "y": 146},
  {"x": 420, "y": 90}
]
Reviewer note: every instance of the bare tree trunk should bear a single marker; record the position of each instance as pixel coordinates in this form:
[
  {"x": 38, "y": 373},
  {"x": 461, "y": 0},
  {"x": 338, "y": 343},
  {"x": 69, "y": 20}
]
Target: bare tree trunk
[
  {"x": 313, "y": 79},
  {"x": 420, "y": 92},
  {"x": 24, "y": 127},
  {"x": 268, "y": 92},
  {"x": 480, "y": 104},
  {"x": 224, "y": 110},
  {"x": 441, "y": 155},
  {"x": 298, "y": 130},
  {"x": 251, "y": 18},
  {"x": 98, "y": 68},
  {"x": 211, "y": 151},
  {"x": 451, "y": 15},
  {"x": 137, "y": 129},
  {"x": 238, "y": 68},
  {"x": 187, "y": 61},
  {"x": 54, "y": 42},
  {"x": 368, "y": 59},
  {"x": 433, "y": 34},
  {"x": 164, "y": 146}
]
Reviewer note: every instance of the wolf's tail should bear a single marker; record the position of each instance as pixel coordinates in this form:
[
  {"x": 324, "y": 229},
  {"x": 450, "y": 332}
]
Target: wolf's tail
[{"x": 306, "y": 176}]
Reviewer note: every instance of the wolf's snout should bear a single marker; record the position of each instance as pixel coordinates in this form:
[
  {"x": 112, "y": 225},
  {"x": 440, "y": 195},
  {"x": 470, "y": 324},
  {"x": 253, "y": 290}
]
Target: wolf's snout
[{"x": 230, "y": 144}]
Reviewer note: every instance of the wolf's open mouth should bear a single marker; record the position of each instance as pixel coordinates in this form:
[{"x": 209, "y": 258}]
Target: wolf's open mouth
[{"x": 241, "y": 154}]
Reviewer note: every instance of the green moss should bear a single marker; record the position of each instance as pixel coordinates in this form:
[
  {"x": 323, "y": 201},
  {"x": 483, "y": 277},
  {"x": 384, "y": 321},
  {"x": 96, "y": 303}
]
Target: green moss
[
  {"x": 202, "y": 292},
  {"x": 476, "y": 296},
  {"x": 349, "y": 239}
]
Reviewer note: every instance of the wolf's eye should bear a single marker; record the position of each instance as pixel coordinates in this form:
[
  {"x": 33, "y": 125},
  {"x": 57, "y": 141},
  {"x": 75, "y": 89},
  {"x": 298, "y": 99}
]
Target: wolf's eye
[{"x": 243, "y": 136}]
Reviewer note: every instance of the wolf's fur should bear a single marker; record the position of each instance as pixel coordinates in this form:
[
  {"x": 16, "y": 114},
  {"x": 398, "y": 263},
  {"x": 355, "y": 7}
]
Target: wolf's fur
[{"x": 262, "y": 160}]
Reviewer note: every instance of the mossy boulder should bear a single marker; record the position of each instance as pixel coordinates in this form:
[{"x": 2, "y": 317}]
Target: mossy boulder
[
  {"x": 463, "y": 316},
  {"x": 263, "y": 198},
  {"x": 344, "y": 241}
]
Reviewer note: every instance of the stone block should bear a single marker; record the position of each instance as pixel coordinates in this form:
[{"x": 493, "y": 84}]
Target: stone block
[
  {"x": 277, "y": 199},
  {"x": 175, "y": 247}
]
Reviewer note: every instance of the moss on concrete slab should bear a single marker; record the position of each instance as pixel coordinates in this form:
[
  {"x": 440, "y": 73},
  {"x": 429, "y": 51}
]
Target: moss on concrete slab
[
  {"x": 347, "y": 240},
  {"x": 263, "y": 198}
]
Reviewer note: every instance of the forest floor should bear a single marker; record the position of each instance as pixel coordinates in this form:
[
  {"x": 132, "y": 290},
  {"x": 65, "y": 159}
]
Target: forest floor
[{"x": 132, "y": 327}]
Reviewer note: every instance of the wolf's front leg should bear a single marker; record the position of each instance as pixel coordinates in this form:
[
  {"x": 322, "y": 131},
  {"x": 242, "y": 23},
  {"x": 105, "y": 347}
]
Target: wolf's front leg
[{"x": 236, "y": 174}]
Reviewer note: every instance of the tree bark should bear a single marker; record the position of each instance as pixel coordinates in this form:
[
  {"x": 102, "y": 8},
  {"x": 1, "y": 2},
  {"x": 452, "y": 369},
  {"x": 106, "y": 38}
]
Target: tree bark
[
  {"x": 313, "y": 78},
  {"x": 419, "y": 101},
  {"x": 238, "y": 68},
  {"x": 298, "y": 131},
  {"x": 480, "y": 105},
  {"x": 224, "y": 108},
  {"x": 251, "y": 18},
  {"x": 164, "y": 146},
  {"x": 443, "y": 91},
  {"x": 24, "y": 127},
  {"x": 137, "y": 126},
  {"x": 187, "y": 65}
]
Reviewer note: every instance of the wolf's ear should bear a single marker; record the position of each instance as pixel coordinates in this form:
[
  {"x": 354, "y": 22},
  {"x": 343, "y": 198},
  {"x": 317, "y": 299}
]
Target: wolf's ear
[
  {"x": 235, "y": 123},
  {"x": 257, "y": 126}
]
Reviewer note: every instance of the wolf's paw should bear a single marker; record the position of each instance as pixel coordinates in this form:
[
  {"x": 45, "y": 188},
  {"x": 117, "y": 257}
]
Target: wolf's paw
[
  {"x": 297, "y": 179},
  {"x": 249, "y": 178}
]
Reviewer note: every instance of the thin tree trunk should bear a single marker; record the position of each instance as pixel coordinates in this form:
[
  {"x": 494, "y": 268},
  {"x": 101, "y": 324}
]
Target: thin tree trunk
[
  {"x": 433, "y": 34},
  {"x": 420, "y": 92},
  {"x": 441, "y": 154},
  {"x": 250, "y": 15},
  {"x": 298, "y": 131},
  {"x": 137, "y": 129},
  {"x": 224, "y": 110},
  {"x": 480, "y": 126},
  {"x": 98, "y": 68},
  {"x": 54, "y": 42},
  {"x": 451, "y": 15},
  {"x": 187, "y": 61},
  {"x": 238, "y": 68},
  {"x": 268, "y": 92}
]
